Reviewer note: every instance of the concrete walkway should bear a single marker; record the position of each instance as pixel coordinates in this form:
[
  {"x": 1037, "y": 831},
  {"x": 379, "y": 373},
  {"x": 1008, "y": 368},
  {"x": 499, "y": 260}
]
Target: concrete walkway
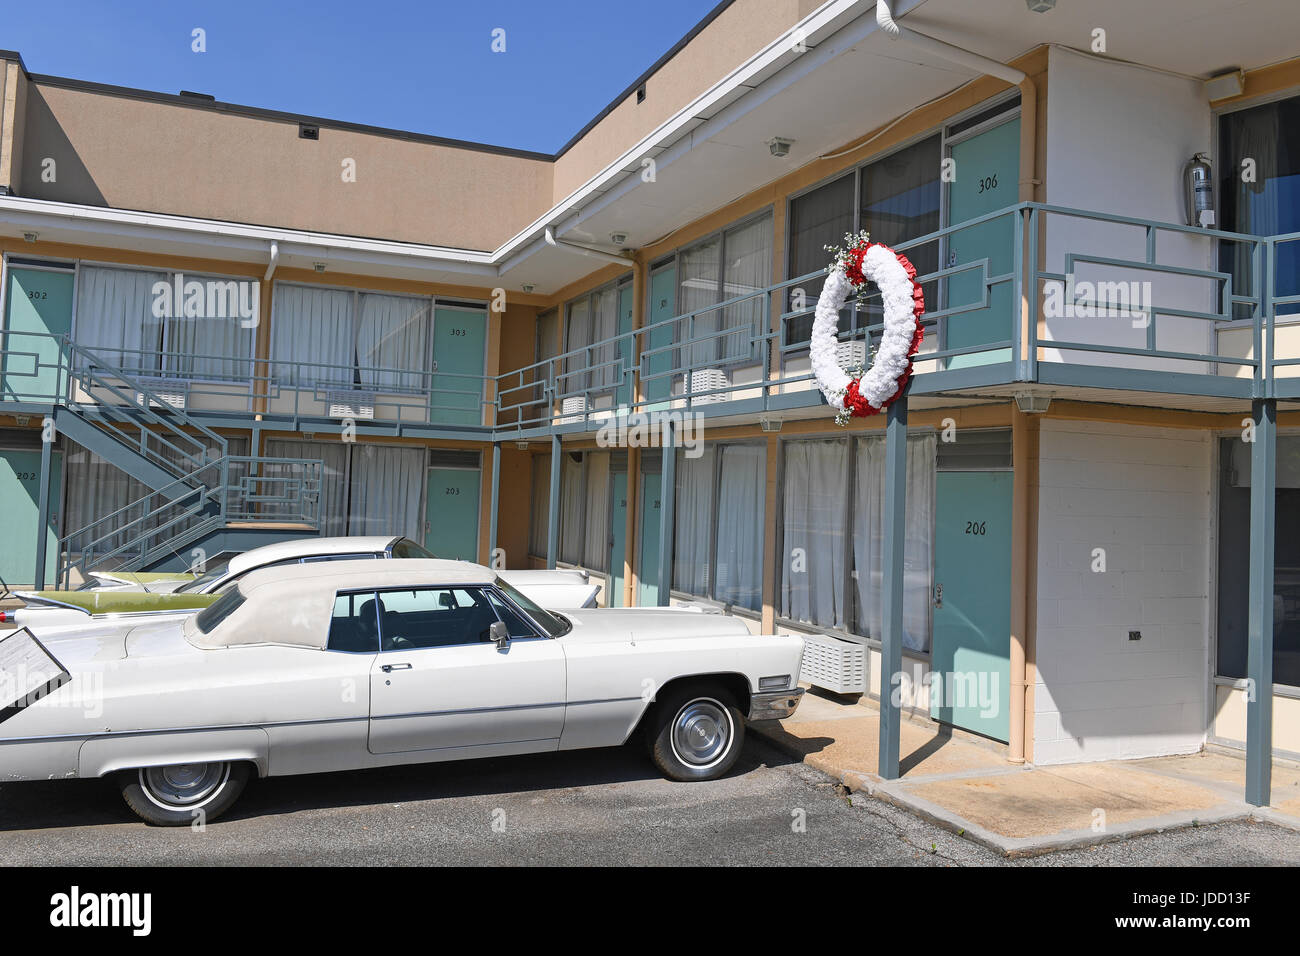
[{"x": 966, "y": 783}]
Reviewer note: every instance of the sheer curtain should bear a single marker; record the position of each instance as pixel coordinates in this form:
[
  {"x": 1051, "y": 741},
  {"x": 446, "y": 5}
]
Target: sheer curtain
[
  {"x": 539, "y": 528},
  {"x": 334, "y": 474},
  {"x": 868, "y": 538},
  {"x": 815, "y": 516},
  {"x": 697, "y": 275},
  {"x": 740, "y": 525},
  {"x": 748, "y": 269},
  {"x": 571, "y": 509},
  {"x": 604, "y": 325},
  {"x": 387, "y": 489},
  {"x": 595, "y": 550},
  {"x": 693, "y": 523},
  {"x": 577, "y": 335},
  {"x": 313, "y": 325},
  {"x": 393, "y": 341},
  {"x": 115, "y": 317},
  {"x": 219, "y": 348}
]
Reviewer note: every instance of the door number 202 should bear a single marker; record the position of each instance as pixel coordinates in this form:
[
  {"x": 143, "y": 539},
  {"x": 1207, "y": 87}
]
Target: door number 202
[{"x": 975, "y": 527}]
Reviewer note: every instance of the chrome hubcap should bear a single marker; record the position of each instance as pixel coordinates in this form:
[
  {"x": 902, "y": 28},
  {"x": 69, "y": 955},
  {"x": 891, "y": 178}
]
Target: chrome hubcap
[
  {"x": 701, "y": 733},
  {"x": 183, "y": 784}
]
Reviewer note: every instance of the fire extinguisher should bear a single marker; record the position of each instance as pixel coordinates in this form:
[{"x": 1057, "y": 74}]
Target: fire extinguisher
[{"x": 1198, "y": 191}]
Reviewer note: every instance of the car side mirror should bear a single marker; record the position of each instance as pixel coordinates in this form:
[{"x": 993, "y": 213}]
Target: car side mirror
[{"x": 499, "y": 633}]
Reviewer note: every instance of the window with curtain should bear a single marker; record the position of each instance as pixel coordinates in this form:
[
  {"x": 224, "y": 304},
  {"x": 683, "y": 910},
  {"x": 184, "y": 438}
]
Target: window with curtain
[
  {"x": 334, "y": 477},
  {"x": 718, "y": 529},
  {"x": 546, "y": 346},
  {"x": 734, "y": 262},
  {"x": 344, "y": 337},
  {"x": 1269, "y": 135},
  {"x": 571, "y": 508},
  {"x": 815, "y": 532},
  {"x": 539, "y": 527},
  {"x": 116, "y": 321},
  {"x": 595, "y": 550},
  {"x": 899, "y": 198},
  {"x": 592, "y": 321}
]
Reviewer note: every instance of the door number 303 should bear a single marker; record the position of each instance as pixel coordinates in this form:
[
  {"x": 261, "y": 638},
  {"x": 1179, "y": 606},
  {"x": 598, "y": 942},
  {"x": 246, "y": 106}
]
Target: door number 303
[{"x": 975, "y": 527}]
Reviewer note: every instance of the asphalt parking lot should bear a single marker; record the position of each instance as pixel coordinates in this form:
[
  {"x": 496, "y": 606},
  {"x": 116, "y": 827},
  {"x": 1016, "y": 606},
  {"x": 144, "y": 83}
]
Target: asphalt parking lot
[{"x": 605, "y": 807}]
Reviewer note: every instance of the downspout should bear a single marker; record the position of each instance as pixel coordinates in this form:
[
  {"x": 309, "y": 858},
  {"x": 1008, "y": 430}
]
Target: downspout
[
  {"x": 551, "y": 240},
  {"x": 273, "y": 262},
  {"x": 1019, "y": 689},
  {"x": 262, "y": 342}
]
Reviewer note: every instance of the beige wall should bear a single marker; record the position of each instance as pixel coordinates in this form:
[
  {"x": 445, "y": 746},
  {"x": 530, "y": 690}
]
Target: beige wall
[
  {"x": 132, "y": 153},
  {"x": 13, "y": 110}
]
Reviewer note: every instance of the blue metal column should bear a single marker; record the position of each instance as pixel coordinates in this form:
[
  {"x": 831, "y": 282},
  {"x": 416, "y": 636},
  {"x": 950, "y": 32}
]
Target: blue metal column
[
  {"x": 1259, "y": 634},
  {"x": 553, "y": 515},
  {"x": 43, "y": 504},
  {"x": 891, "y": 590},
  {"x": 496, "y": 500},
  {"x": 667, "y": 500}
]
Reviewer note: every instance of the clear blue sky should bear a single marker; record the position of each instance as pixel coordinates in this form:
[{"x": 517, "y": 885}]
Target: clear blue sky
[{"x": 421, "y": 66}]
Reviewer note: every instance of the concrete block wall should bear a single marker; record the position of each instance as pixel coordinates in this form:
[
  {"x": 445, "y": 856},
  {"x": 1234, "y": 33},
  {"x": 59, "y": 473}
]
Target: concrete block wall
[{"x": 1143, "y": 495}]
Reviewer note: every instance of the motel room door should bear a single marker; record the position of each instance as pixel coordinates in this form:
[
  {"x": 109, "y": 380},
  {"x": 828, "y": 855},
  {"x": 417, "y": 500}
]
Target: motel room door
[
  {"x": 617, "y": 537},
  {"x": 20, "y": 488},
  {"x": 647, "y": 574},
  {"x": 663, "y": 306},
  {"x": 459, "y": 341},
  {"x": 451, "y": 508},
  {"x": 39, "y": 301},
  {"x": 987, "y": 175},
  {"x": 971, "y": 643}
]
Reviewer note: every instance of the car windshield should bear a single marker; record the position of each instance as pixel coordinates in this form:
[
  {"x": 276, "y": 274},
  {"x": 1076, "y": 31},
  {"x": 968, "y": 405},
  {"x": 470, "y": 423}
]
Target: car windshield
[
  {"x": 406, "y": 548},
  {"x": 553, "y": 624},
  {"x": 219, "y": 610},
  {"x": 216, "y": 570}
]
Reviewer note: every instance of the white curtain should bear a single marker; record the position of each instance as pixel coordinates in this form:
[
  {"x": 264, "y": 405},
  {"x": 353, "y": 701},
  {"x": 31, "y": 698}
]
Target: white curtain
[
  {"x": 392, "y": 341},
  {"x": 868, "y": 538},
  {"x": 387, "y": 488},
  {"x": 740, "y": 525},
  {"x": 115, "y": 317},
  {"x": 595, "y": 552},
  {"x": 313, "y": 325},
  {"x": 815, "y": 526},
  {"x": 748, "y": 269},
  {"x": 697, "y": 274},
  {"x": 571, "y": 509},
  {"x": 334, "y": 474},
  {"x": 213, "y": 348},
  {"x": 577, "y": 335},
  {"x": 604, "y": 325},
  {"x": 541, "y": 506},
  {"x": 693, "y": 523}
]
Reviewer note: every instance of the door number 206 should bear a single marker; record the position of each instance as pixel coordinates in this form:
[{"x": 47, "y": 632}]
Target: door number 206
[{"x": 975, "y": 527}]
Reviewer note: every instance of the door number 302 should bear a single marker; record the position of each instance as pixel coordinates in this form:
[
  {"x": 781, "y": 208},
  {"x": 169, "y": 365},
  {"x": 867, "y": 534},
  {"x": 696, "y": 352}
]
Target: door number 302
[{"x": 975, "y": 527}]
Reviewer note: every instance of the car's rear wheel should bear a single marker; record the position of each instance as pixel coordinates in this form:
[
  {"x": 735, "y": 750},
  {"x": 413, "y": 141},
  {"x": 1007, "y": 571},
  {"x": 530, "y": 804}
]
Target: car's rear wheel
[
  {"x": 179, "y": 795},
  {"x": 696, "y": 733}
]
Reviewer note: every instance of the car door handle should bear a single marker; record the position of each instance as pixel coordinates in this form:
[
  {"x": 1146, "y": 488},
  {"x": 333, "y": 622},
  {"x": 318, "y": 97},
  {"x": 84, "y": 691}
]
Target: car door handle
[{"x": 389, "y": 668}]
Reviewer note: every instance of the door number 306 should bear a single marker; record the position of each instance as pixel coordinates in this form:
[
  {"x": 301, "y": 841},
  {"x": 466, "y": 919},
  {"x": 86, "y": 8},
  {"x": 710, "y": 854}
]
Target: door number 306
[{"x": 975, "y": 527}]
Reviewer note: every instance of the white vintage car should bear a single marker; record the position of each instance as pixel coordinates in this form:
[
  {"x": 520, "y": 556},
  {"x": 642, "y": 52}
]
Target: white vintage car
[
  {"x": 122, "y": 593},
  {"x": 345, "y": 665}
]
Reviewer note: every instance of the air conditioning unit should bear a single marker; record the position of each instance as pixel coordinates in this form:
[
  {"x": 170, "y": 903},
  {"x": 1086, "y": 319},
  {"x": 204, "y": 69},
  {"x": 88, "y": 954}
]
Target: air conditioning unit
[
  {"x": 351, "y": 404},
  {"x": 833, "y": 664},
  {"x": 170, "y": 392},
  {"x": 708, "y": 380},
  {"x": 572, "y": 410},
  {"x": 851, "y": 355}
]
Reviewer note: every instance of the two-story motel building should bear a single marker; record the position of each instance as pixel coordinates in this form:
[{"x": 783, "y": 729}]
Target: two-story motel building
[{"x": 230, "y": 339}]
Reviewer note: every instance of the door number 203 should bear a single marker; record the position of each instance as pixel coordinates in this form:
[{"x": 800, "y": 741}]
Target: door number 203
[{"x": 975, "y": 527}]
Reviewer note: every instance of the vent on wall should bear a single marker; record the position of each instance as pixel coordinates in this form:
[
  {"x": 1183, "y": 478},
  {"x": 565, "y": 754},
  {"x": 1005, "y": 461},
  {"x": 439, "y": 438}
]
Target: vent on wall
[
  {"x": 975, "y": 449},
  {"x": 640, "y": 93},
  {"x": 308, "y": 131}
]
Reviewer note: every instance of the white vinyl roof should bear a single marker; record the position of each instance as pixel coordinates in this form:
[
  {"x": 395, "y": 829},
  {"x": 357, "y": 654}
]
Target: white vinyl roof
[
  {"x": 292, "y": 604},
  {"x": 309, "y": 547}
]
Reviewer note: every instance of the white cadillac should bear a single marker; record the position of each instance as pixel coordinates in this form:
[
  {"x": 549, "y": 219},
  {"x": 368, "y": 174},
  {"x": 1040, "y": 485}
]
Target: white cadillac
[{"x": 317, "y": 667}]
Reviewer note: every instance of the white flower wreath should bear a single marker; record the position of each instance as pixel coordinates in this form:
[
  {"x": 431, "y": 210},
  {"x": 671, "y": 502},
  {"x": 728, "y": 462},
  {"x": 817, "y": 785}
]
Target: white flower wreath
[{"x": 880, "y": 384}]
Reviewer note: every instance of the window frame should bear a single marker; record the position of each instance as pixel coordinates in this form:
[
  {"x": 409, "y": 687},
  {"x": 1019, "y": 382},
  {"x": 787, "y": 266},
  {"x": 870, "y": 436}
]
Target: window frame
[{"x": 590, "y": 297}]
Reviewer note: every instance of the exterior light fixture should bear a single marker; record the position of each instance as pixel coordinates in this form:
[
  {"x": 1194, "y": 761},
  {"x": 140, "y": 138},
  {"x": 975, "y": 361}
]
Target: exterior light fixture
[
  {"x": 618, "y": 238},
  {"x": 318, "y": 266},
  {"x": 779, "y": 146},
  {"x": 528, "y": 287},
  {"x": 1032, "y": 404},
  {"x": 1040, "y": 6},
  {"x": 770, "y": 424},
  {"x": 22, "y": 420},
  {"x": 1225, "y": 86},
  {"x": 522, "y": 445},
  {"x": 30, "y": 236}
]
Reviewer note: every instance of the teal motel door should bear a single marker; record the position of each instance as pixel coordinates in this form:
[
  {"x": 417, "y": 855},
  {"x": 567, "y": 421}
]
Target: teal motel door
[
  {"x": 451, "y": 512},
  {"x": 617, "y": 538},
  {"x": 987, "y": 178},
  {"x": 459, "y": 340},
  {"x": 663, "y": 306},
  {"x": 648, "y": 556},
  {"x": 37, "y": 301},
  {"x": 20, "y": 489},
  {"x": 623, "y": 397},
  {"x": 971, "y": 643}
]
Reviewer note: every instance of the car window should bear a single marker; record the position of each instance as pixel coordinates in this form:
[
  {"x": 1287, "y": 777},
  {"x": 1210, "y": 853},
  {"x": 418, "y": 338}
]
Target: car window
[
  {"x": 406, "y": 548},
  {"x": 354, "y": 625},
  {"x": 311, "y": 559},
  {"x": 434, "y": 617},
  {"x": 213, "y": 571},
  {"x": 515, "y": 622},
  {"x": 219, "y": 610},
  {"x": 555, "y": 625}
]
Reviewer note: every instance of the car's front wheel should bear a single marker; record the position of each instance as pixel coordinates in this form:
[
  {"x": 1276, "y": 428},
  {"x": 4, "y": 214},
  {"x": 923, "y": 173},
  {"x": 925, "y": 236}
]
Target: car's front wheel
[
  {"x": 696, "y": 733},
  {"x": 180, "y": 795}
]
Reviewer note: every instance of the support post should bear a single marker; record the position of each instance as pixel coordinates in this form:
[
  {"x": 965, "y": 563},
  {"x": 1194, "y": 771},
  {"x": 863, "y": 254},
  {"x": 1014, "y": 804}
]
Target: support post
[
  {"x": 667, "y": 497},
  {"x": 1259, "y": 635},
  {"x": 891, "y": 591},
  {"x": 43, "y": 500},
  {"x": 553, "y": 513},
  {"x": 496, "y": 503}
]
